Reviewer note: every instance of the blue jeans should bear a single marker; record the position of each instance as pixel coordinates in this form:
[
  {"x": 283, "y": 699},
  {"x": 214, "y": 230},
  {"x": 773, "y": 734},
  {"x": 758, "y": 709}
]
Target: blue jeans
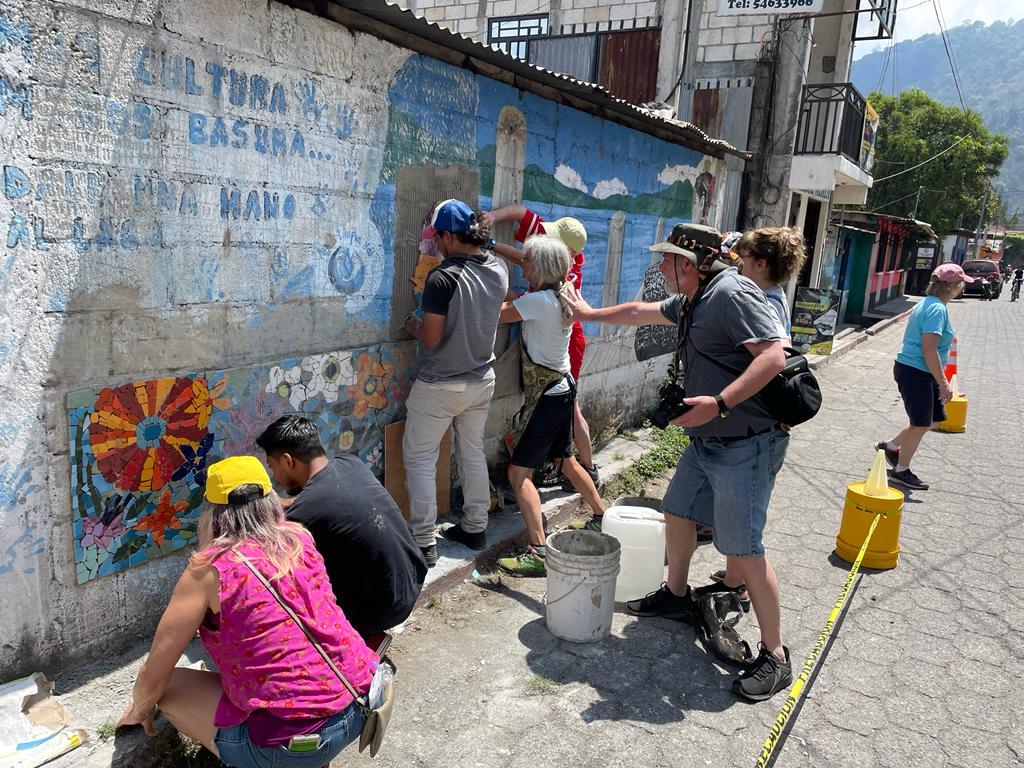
[
  {"x": 238, "y": 750},
  {"x": 726, "y": 483}
]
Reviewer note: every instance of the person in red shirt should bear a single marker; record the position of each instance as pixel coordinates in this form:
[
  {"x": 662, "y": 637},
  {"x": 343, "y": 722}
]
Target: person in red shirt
[{"x": 571, "y": 232}]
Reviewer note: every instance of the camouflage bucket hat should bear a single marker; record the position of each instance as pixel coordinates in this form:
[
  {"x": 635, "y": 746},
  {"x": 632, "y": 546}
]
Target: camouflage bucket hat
[{"x": 701, "y": 245}]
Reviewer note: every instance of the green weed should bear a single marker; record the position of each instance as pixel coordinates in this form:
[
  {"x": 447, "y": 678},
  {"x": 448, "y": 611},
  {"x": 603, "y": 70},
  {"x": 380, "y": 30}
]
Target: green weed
[{"x": 669, "y": 445}]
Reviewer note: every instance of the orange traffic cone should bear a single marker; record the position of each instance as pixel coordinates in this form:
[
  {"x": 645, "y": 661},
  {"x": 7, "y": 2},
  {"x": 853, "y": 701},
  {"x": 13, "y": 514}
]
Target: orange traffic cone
[{"x": 951, "y": 363}]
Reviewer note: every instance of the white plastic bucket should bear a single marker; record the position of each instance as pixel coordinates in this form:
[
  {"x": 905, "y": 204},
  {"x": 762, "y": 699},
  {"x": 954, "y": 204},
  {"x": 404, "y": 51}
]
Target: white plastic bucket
[
  {"x": 582, "y": 566},
  {"x": 640, "y": 531}
]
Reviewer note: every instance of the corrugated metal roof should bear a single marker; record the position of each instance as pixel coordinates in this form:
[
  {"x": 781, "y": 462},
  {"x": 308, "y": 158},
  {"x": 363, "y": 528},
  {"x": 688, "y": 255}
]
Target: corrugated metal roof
[{"x": 404, "y": 28}]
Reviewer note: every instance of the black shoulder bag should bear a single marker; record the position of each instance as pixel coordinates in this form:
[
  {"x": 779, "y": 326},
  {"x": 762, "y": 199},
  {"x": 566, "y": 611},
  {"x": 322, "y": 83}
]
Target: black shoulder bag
[{"x": 792, "y": 397}]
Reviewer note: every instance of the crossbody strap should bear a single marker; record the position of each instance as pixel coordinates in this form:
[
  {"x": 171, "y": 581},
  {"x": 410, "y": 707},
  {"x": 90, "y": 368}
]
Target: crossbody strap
[{"x": 287, "y": 609}]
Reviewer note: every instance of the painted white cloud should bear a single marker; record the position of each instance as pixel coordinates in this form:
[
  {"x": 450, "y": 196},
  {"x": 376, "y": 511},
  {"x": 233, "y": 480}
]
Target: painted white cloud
[
  {"x": 609, "y": 187},
  {"x": 670, "y": 174},
  {"x": 570, "y": 178}
]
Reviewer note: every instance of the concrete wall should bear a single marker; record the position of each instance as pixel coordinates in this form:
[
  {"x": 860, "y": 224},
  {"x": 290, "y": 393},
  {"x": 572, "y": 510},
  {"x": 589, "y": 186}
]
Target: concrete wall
[{"x": 212, "y": 214}]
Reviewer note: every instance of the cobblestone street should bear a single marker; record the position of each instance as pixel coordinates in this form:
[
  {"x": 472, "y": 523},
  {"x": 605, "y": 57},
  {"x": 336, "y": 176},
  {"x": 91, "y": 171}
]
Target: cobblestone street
[{"x": 926, "y": 667}]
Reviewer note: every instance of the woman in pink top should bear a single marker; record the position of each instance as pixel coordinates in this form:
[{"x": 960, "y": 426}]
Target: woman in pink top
[{"x": 275, "y": 701}]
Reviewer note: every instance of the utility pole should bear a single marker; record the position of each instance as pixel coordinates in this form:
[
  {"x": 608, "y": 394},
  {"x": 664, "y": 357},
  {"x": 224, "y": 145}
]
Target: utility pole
[
  {"x": 917, "y": 202},
  {"x": 981, "y": 221}
]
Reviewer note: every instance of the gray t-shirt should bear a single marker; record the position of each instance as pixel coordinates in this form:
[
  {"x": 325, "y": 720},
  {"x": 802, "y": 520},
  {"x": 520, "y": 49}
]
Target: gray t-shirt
[
  {"x": 468, "y": 291},
  {"x": 731, "y": 312}
]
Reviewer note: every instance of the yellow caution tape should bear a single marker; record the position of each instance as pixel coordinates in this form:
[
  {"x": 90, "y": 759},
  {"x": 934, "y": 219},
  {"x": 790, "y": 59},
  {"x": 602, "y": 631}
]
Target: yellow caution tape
[{"x": 799, "y": 685}]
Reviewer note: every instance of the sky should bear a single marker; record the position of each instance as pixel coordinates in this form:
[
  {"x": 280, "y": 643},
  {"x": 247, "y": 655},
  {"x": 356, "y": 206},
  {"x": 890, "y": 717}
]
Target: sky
[{"x": 915, "y": 18}]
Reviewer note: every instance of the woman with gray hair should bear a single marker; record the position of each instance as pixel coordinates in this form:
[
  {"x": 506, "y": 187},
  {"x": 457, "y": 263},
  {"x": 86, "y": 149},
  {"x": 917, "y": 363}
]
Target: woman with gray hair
[
  {"x": 919, "y": 372},
  {"x": 544, "y": 424},
  {"x": 275, "y": 700}
]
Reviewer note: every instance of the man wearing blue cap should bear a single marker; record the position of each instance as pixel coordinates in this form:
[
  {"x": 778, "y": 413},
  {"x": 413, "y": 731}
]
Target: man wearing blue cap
[{"x": 461, "y": 300}]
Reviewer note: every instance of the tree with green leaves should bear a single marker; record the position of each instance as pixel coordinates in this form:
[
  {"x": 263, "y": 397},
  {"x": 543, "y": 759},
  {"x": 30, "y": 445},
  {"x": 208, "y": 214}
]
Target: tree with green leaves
[
  {"x": 947, "y": 191},
  {"x": 1013, "y": 250}
]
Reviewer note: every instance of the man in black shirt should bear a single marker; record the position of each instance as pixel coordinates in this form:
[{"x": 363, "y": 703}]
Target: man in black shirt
[{"x": 375, "y": 567}]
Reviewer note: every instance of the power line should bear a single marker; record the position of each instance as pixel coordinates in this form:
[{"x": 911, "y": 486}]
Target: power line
[
  {"x": 930, "y": 159},
  {"x": 949, "y": 54},
  {"x": 952, "y": 50},
  {"x": 892, "y": 202},
  {"x": 885, "y": 68}
]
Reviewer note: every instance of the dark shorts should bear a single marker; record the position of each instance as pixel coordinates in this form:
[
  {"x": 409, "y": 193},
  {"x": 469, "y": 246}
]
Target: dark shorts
[
  {"x": 548, "y": 434},
  {"x": 920, "y": 395}
]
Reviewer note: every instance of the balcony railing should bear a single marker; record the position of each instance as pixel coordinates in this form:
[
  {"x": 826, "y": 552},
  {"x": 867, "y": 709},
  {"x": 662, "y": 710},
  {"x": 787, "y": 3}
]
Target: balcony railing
[{"x": 831, "y": 121}]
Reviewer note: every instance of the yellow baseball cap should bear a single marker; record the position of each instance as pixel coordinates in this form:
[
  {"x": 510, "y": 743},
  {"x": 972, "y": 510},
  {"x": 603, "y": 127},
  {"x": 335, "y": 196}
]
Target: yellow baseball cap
[
  {"x": 569, "y": 230},
  {"x": 227, "y": 475}
]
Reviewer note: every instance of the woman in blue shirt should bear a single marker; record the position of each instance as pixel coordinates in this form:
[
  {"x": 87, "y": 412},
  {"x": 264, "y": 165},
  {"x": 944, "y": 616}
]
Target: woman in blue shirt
[{"x": 919, "y": 372}]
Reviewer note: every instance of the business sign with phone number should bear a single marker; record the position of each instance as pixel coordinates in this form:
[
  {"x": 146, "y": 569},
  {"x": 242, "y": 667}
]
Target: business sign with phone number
[{"x": 738, "y": 7}]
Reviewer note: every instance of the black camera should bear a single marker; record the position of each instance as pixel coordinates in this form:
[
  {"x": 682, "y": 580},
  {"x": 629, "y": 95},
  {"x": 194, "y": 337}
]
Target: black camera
[{"x": 670, "y": 405}]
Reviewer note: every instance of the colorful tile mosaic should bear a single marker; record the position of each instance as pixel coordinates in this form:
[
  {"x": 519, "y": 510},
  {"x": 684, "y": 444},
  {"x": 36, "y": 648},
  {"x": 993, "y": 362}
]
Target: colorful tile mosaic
[{"x": 139, "y": 451}]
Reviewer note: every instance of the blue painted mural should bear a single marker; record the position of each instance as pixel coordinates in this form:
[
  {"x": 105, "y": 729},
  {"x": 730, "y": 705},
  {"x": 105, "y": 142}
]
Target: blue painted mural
[{"x": 315, "y": 187}]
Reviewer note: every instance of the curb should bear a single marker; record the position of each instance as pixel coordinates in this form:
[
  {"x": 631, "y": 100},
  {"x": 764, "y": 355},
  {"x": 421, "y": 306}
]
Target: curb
[
  {"x": 557, "y": 513},
  {"x": 858, "y": 339},
  {"x": 881, "y": 325},
  {"x": 565, "y": 512}
]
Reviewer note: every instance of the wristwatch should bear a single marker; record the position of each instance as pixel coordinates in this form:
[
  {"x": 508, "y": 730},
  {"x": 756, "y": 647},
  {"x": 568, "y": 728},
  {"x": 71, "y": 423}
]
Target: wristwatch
[{"x": 723, "y": 409}]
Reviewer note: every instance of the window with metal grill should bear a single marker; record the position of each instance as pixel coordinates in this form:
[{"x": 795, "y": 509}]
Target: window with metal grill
[{"x": 511, "y": 34}]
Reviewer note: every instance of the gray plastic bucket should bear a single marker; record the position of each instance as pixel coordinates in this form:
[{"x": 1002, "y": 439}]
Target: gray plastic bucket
[{"x": 582, "y": 567}]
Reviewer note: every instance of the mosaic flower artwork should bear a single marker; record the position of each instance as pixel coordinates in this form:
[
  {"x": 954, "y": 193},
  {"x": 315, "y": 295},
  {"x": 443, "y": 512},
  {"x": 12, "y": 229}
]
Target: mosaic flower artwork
[
  {"x": 142, "y": 433},
  {"x": 140, "y": 450}
]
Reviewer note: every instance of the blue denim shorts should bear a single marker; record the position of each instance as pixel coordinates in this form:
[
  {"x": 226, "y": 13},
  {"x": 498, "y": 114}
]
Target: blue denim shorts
[
  {"x": 238, "y": 750},
  {"x": 726, "y": 483}
]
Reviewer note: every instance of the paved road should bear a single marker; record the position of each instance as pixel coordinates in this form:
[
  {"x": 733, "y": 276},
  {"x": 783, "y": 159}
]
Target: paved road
[{"x": 926, "y": 670}]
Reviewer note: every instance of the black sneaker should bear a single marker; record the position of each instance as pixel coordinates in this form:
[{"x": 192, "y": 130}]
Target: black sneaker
[
  {"x": 664, "y": 602},
  {"x": 893, "y": 457},
  {"x": 765, "y": 677},
  {"x": 460, "y": 535},
  {"x": 720, "y": 586},
  {"x": 547, "y": 476},
  {"x": 907, "y": 479},
  {"x": 430, "y": 555}
]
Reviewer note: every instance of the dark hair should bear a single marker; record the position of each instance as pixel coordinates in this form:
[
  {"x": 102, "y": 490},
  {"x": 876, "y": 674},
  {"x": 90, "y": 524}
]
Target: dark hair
[
  {"x": 292, "y": 434},
  {"x": 245, "y": 493},
  {"x": 477, "y": 234},
  {"x": 782, "y": 247}
]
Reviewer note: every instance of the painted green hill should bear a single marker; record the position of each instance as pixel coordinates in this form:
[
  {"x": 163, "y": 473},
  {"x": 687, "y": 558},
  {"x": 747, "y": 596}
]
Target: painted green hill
[{"x": 673, "y": 202}]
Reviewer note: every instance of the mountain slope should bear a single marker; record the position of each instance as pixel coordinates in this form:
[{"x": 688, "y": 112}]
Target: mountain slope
[{"x": 990, "y": 60}]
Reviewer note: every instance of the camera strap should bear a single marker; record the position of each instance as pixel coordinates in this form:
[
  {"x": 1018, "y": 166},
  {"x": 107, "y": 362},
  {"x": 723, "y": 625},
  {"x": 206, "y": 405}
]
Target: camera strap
[{"x": 683, "y": 334}]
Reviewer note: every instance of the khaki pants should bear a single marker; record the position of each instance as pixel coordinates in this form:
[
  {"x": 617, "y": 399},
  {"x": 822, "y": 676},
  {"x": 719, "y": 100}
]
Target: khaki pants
[{"x": 432, "y": 408}]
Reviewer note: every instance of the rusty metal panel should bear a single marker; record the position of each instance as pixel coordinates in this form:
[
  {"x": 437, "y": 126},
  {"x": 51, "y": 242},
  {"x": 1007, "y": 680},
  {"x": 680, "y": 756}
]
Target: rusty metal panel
[
  {"x": 629, "y": 64},
  {"x": 572, "y": 56},
  {"x": 707, "y": 113}
]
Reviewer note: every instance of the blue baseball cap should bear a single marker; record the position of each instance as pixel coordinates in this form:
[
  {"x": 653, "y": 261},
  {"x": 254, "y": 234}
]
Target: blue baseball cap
[{"x": 448, "y": 216}]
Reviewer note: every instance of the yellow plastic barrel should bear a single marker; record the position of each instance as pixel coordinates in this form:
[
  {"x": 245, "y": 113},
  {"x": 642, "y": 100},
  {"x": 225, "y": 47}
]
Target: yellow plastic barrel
[
  {"x": 859, "y": 512},
  {"x": 956, "y": 415}
]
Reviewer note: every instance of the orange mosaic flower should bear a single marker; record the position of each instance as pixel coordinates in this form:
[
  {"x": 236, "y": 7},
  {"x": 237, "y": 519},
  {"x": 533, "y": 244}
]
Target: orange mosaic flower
[
  {"x": 370, "y": 389},
  {"x": 165, "y": 516},
  {"x": 137, "y": 431}
]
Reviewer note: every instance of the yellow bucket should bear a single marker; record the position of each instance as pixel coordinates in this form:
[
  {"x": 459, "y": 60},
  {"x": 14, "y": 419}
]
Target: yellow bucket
[
  {"x": 956, "y": 415},
  {"x": 884, "y": 550}
]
